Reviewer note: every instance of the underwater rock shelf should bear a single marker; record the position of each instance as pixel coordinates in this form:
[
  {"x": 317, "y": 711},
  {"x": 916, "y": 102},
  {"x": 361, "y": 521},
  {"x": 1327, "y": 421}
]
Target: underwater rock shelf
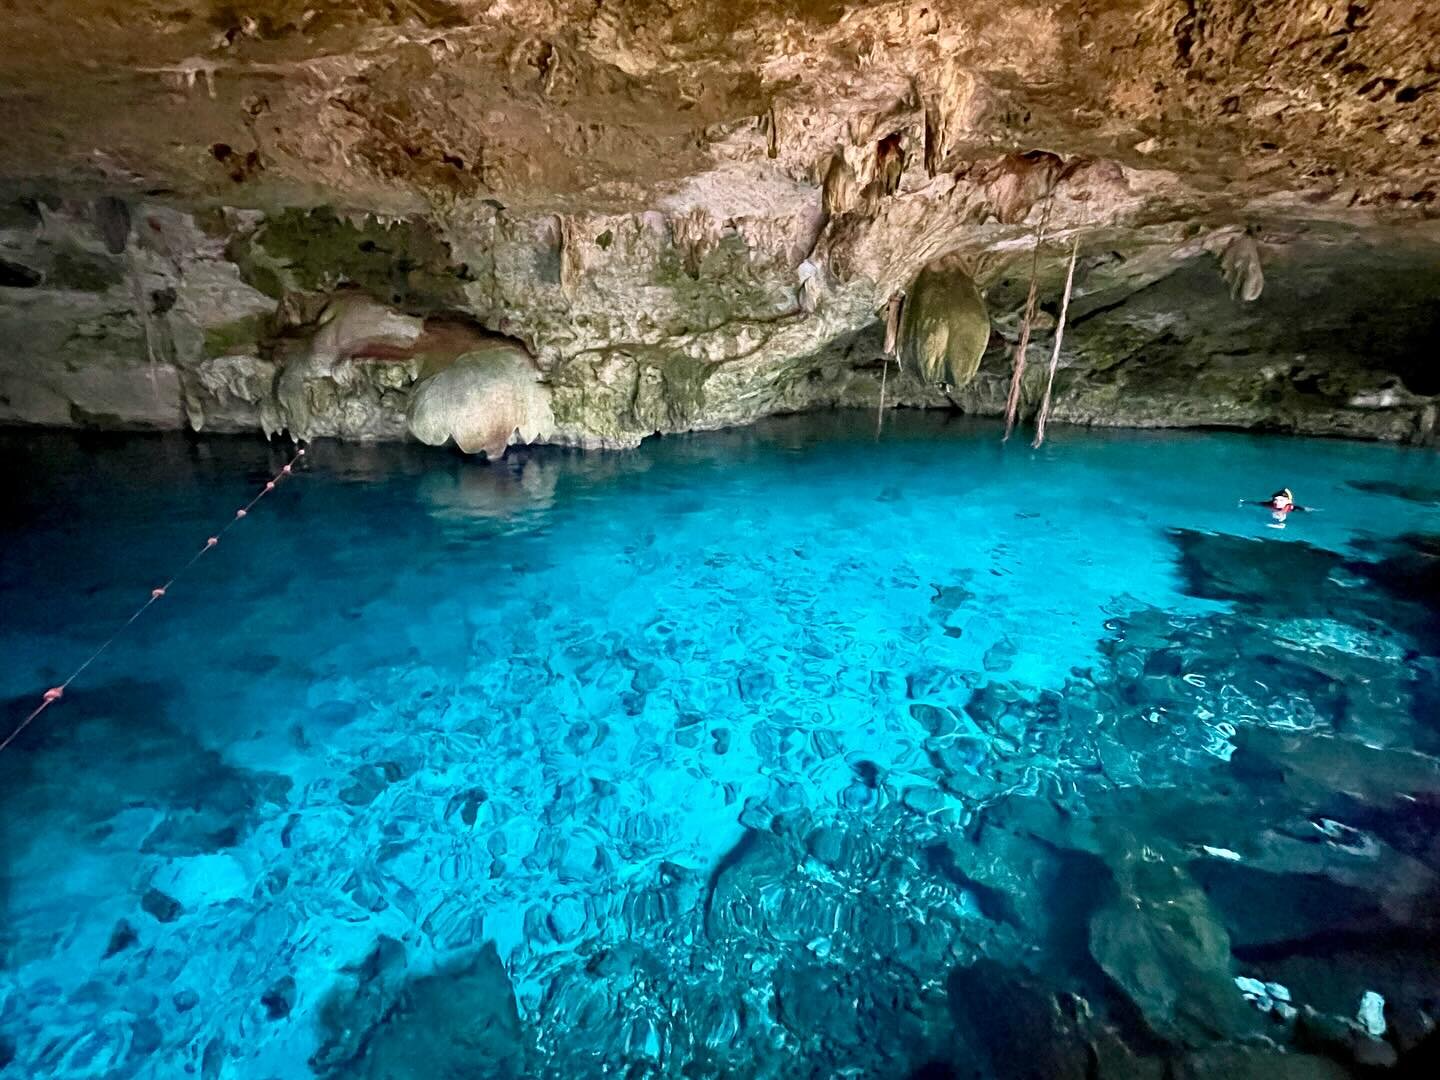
[{"x": 681, "y": 763}]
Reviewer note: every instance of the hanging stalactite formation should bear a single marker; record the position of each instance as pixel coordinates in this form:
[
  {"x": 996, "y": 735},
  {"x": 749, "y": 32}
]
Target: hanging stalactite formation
[
  {"x": 944, "y": 327},
  {"x": 1240, "y": 266}
]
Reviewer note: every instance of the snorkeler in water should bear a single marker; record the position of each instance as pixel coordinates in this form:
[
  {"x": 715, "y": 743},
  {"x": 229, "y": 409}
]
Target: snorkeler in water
[
  {"x": 1280, "y": 505},
  {"x": 1282, "y": 502}
]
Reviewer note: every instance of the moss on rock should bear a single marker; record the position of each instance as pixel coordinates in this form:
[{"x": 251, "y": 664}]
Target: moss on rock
[
  {"x": 241, "y": 335},
  {"x": 403, "y": 263},
  {"x": 85, "y": 272}
]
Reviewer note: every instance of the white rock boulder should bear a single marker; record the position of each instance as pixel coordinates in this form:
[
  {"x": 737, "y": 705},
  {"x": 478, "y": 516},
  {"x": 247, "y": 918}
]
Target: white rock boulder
[{"x": 488, "y": 399}]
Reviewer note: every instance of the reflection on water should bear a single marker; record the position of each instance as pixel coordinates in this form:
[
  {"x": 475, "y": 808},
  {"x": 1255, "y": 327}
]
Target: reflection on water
[
  {"x": 512, "y": 490},
  {"x": 771, "y": 752}
]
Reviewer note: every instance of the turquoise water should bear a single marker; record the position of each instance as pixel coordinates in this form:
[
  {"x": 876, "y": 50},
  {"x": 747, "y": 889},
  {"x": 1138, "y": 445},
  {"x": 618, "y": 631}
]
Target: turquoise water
[{"x": 725, "y": 756}]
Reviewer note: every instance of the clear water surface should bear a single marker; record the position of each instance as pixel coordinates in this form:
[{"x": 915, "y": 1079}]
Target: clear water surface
[{"x": 721, "y": 756}]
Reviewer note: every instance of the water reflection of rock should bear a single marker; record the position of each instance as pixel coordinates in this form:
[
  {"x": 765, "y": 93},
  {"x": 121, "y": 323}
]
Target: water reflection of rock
[{"x": 508, "y": 489}]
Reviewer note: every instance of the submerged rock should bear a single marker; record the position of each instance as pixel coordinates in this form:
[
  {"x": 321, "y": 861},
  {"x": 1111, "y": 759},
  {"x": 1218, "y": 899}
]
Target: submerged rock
[
  {"x": 733, "y": 900},
  {"x": 279, "y": 1000},
  {"x": 1317, "y": 766},
  {"x": 1019, "y": 1028},
  {"x": 1424, "y": 494},
  {"x": 162, "y": 908},
  {"x": 121, "y": 938},
  {"x": 461, "y": 1022},
  {"x": 1167, "y": 949},
  {"x": 812, "y": 999},
  {"x": 357, "y": 1004},
  {"x": 1255, "y": 1063}
]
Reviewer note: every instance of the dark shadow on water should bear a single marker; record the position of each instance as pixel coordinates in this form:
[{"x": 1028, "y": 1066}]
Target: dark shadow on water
[
  {"x": 1416, "y": 493},
  {"x": 1397, "y": 585},
  {"x": 112, "y": 747}
]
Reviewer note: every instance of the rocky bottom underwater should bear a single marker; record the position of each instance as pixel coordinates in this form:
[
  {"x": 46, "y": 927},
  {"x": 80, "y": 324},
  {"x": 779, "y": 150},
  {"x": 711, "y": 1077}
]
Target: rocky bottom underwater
[{"x": 774, "y": 753}]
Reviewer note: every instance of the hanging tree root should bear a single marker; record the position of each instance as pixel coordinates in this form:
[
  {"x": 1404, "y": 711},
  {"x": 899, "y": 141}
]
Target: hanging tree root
[
  {"x": 880, "y": 412},
  {"x": 892, "y": 333},
  {"x": 1055, "y": 353},
  {"x": 1012, "y": 404}
]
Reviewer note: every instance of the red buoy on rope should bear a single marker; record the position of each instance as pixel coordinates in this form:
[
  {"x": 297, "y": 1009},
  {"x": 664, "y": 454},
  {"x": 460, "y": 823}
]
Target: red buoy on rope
[{"x": 55, "y": 693}]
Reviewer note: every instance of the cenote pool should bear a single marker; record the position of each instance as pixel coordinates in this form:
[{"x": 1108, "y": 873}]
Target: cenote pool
[{"x": 776, "y": 752}]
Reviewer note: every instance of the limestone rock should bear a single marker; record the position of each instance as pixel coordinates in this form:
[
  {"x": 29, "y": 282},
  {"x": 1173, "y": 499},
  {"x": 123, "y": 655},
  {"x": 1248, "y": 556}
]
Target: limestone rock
[
  {"x": 1253, "y": 1063},
  {"x": 459, "y": 1022},
  {"x": 485, "y": 401},
  {"x": 1167, "y": 949},
  {"x": 1240, "y": 263},
  {"x": 568, "y": 178},
  {"x": 1017, "y": 1025},
  {"x": 944, "y": 328},
  {"x": 332, "y": 383}
]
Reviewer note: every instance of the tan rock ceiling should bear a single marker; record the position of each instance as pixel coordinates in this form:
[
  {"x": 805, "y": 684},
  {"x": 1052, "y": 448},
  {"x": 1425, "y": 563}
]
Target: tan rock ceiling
[{"x": 596, "y": 105}]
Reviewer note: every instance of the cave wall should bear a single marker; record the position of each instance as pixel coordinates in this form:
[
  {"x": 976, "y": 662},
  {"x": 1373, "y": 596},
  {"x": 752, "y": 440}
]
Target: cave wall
[
  {"x": 689, "y": 216},
  {"x": 647, "y": 323}
]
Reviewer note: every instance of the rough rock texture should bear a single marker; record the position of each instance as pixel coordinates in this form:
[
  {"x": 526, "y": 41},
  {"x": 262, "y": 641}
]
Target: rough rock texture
[
  {"x": 1162, "y": 942},
  {"x": 98, "y": 338},
  {"x": 692, "y": 216}
]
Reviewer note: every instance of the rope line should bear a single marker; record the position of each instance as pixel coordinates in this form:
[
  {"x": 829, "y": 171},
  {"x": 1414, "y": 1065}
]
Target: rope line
[{"x": 55, "y": 693}]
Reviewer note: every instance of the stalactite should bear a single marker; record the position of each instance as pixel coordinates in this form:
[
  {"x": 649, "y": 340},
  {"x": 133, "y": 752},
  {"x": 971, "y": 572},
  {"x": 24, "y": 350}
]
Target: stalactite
[
  {"x": 840, "y": 191},
  {"x": 571, "y": 266},
  {"x": 1240, "y": 266},
  {"x": 944, "y": 327},
  {"x": 880, "y": 412},
  {"x": 1055, "y": 352},
  {"x": 1012, "y": 404},
  {"x": 893, "y": 308}
]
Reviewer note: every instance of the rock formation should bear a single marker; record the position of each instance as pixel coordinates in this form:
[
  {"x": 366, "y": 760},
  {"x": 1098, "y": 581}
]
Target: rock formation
[
  {"x": 945, "y": 327},
  {"x": 692, "y": 217},
  {"x": 485, "y": 400}
]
